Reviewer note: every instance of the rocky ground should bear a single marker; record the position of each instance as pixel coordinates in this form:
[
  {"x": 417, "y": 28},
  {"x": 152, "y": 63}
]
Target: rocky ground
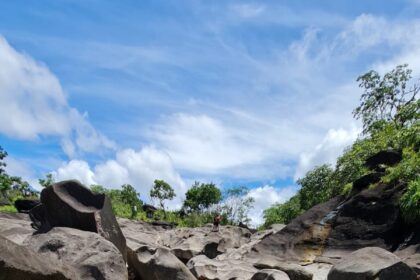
[{"x": 73, "y": 234}]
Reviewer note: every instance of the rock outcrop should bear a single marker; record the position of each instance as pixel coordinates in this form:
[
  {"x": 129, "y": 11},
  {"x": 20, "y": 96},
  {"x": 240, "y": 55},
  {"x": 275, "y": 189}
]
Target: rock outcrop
[
  {"x": 87, "y": 254},
  {"x": 62, "y": 253},
  {"x": 157, "y": 264},
  {"x": 70, "y": 204},
  {"x": 19, "y": 263},
  {"x": 371, "y": 263}
]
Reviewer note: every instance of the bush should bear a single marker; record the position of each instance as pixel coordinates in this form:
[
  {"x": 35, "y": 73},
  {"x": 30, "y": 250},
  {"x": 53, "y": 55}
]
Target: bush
[
  {"x": 410, "y": 203},
  {"x": 8, "y": 209},
  {"x": 282, "y": 213},
  {"x": 406, "y": 171}
]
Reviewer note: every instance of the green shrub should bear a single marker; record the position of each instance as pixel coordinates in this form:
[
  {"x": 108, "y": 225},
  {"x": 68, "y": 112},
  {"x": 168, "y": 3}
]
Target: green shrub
[
  {"x": 405, "y": 171},
  {"x": 8, "y": 209},
  {"x": 410, "y": 203},
  {"x": 282, "y": 213}
]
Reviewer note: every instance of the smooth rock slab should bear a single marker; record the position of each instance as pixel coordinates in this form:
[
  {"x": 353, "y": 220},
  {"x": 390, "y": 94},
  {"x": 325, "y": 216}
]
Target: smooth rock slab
[
  {"x": 293, "y": 270},
  {"x": 371, "y": 263}
]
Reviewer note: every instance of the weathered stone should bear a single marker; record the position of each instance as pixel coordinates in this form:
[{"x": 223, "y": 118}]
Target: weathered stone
[
  {"x": 25, "y": 205},
  {"x": 153, "y": 263},
  {"x": 371, "y": 263},
  {"x": 293, "y": 270},
  {"x": 270, "y": 274},
  {"x": 86, "y": 254},
  {"x": 70, "y": 204},
  {"x": 365, "y": 181},
  {"x": 15, "y": 230},
  {"x": 213, "y": 269},
  {"x": 17, "y": 262},
  {"x": 370, "y": 218},
  {"x": 388, "y": 158}
]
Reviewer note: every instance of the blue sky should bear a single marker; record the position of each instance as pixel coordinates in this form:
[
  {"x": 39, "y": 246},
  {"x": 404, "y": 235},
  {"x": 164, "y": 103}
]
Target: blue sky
[{"x": 250, "y": 93}]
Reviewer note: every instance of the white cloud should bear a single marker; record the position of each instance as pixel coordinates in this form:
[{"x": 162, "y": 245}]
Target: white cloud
[
  {"x": 248, "y": 10},
  {"x": 32, "y": 103},
  {"x": 77, "y": 170},
  {"x": 327, "y": 151},
  {"x": 138, "y": 168},
  {"x": 266, "y": 196}
]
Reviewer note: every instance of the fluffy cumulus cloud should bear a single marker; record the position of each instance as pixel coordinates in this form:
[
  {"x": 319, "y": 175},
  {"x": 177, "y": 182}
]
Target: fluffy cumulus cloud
[
  {"x": 138, "y": 168},
  {"x": 32, "y": 103},
  {"x": 327, "y": 151},
  {"x": 266, "y": 196}
]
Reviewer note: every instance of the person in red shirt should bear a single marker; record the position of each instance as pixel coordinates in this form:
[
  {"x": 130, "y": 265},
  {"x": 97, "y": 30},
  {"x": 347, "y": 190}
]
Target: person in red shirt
[{"x": 216, "y": 222}]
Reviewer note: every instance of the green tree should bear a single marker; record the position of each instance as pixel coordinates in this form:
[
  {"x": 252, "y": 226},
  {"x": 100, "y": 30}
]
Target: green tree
[
  {"x": 237, "y": 205},
  {"x": 3, "y": 155},
  {"x": 316, "y": 186},
  {"x": 162, "y": 191},
  {"x": 11, "y": 184},
  {"x": 98, "y": 189},
  {"x": 202, "y": 196},
  {"x": 282, "y": 213},
  {"x": 386, "y": 99},
  {"x": 47, "y": 181},
  {"x": 130, "y": 197}
]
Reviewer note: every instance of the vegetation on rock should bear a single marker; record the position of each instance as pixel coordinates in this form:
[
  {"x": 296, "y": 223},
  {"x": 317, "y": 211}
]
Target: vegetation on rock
[{"x": 390, "y": 113}]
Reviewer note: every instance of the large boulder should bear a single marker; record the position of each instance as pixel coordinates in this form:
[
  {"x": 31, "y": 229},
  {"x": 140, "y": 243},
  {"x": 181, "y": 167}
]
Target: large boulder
[
  {"x": 370, "y": 218},
  {"x": 70, "y": 204},
  {"x": 86, "y": 254},
  {"x": 371, "y": 263},
  {"x": 25, "y": 205},
  {"x": 17, "y": 262},
  {"x": 366, "y": 180},
  {"x": 61, "y": 253},
  {"x": 153, "y": 263},
  {"x": 290, "y": 243},
  {"x": 388, "y": 158}
]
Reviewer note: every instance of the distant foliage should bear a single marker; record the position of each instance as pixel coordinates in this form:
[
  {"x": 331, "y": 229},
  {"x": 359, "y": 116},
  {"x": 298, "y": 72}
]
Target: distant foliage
[
  {"x": 316, "y": 186},
  {"x": 12, "y": 187},
  {"x": 237, "y": 205},
  {"x": 282, "y": 213},
  {"x": 122, "y": 200},
  {"x": 162, "y": 191},
  {"x": 201, "y": 196},
  {"x": 47, "y": 181}
]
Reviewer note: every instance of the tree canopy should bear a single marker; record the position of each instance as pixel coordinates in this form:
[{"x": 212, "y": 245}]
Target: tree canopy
[
  {"x": 162, "y": 191},
  {"x": 202, "y": 196},
  {"x": 237, "y": 205},
  {"x": 388, "y": 98}
]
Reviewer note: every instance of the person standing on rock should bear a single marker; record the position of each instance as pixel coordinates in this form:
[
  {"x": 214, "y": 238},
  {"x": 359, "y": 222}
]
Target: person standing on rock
[{"x": 216, "y": 222}]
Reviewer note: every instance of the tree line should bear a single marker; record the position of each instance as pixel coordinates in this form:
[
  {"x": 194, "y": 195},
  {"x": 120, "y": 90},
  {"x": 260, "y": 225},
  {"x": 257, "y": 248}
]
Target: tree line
[{"x": 202, "y": 200}]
